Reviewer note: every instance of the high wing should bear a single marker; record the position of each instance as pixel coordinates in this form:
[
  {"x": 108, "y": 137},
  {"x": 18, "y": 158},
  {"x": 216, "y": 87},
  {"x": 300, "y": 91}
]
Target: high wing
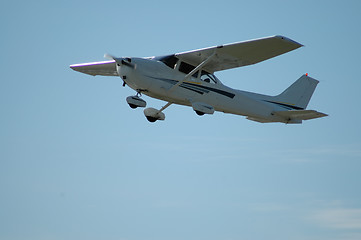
[
  {"x": 218, "y": 57},
  {"x": 239, "y": 54},
  {"x": 104, "y": 68}
]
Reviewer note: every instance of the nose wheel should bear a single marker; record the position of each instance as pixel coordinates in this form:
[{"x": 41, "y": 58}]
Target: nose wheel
[{"x": 135, "y": 101}]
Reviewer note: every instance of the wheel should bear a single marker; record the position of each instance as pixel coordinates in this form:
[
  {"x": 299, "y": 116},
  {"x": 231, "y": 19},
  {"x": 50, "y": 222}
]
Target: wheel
[
  {"x": 151, "y": 119},
  {"x": 200, "y": 113},
  {"x": 133, "y": 106}
]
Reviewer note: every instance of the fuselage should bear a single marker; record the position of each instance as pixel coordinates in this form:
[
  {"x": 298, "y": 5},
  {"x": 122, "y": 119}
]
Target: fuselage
[
  {"x": 187, "y": 78},
  {"x": 154, "y": 78}
]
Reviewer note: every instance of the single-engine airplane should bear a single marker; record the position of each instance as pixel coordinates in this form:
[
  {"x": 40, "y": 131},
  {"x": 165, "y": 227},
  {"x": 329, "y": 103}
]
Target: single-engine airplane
[{"x": 187, "y": 78}]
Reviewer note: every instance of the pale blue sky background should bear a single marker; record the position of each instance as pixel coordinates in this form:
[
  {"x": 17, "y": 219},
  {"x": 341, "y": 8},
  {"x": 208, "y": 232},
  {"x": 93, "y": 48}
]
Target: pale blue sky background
[{"x": 77, "y": 163}]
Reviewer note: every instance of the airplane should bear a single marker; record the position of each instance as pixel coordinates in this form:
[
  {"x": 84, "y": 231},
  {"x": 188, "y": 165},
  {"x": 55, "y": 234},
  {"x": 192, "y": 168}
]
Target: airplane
[{"x": 187, "y": 78}]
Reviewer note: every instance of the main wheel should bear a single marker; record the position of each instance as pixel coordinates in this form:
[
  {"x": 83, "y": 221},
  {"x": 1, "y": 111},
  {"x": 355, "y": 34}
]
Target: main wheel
[
  {"x": 133, "y": 106},
  {"x": 151, "y": 119},
  {"x": 200, "y": 113}
]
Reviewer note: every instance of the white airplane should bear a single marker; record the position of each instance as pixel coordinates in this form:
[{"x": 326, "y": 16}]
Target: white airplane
[{"x": 187, "y": 78}]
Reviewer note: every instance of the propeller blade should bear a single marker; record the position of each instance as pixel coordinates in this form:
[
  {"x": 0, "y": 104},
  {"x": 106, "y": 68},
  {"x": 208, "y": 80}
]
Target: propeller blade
[{"x": 108, "y": 56}]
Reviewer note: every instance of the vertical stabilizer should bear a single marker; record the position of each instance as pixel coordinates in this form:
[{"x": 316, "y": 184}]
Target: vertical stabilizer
[{"x": 299, "y": 93}]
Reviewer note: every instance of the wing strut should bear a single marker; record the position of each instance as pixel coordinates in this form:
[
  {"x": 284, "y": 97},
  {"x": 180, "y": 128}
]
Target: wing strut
[{"x": 194, "y": 70}]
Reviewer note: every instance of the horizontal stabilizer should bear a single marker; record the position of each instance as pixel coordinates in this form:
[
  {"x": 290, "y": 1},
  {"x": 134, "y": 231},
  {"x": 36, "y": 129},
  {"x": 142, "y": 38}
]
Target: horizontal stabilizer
[{"x": 300, "y": 114}]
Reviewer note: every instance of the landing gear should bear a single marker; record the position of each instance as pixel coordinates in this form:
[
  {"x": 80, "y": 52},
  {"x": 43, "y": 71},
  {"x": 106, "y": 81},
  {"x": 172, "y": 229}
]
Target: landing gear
[
  {"x": 132, "y": 106},
  {"x": 202, "y": 108},
  {"x": 136, "y": 101},
  {"x": 153, "y": 114},
  {"x": 199, "y": 113},
  {"x": 151, "y": 119}
]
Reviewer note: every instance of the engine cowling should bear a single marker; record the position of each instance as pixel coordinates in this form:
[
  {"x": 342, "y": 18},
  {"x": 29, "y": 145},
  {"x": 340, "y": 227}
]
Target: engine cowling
[{"x": 202, "y": 108}]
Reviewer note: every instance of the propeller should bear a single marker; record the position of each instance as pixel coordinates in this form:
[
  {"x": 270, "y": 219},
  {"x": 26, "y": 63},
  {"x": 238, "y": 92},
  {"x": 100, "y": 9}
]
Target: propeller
[{"x": 108, "y": 56}]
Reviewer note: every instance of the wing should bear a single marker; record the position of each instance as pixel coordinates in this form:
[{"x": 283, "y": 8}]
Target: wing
[
  {"x": 104, "y": 68},
  {"x": 239, "y": 54}
]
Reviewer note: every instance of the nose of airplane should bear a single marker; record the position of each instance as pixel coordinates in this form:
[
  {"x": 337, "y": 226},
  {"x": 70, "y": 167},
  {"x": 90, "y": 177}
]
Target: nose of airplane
[
  {"x": 124, "y": 66},
  {"x": 126, "y": 61}
]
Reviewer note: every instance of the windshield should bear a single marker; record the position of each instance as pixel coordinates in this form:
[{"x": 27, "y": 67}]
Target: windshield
[{"x": 171, "y": 61}]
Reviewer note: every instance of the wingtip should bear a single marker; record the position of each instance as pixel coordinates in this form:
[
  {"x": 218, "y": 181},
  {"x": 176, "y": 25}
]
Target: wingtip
[
  {"x": 324, "y": 115},
  {"x": 290, "y": 40}
]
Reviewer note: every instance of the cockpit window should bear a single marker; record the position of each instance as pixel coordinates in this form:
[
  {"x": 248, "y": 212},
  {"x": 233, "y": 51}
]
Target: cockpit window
[
  {"x": 187, "y": 68},
  {"x": 170, "y": 61}
]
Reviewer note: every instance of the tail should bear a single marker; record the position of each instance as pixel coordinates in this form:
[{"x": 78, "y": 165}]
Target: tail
[
  {"x": 299, "y": 93},
  {"x": 297, "y": 96}
]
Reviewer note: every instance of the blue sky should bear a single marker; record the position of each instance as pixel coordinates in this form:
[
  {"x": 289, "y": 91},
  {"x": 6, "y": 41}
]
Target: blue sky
[{"x": 77, "y": 163}]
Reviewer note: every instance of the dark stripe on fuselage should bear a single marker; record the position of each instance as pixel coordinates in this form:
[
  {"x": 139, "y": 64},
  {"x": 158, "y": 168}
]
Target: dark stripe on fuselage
[
  {"x": 192, "y": 89},
  {"x": 189, "y": 86},
  {"x": 285, "y": 105},
  {"x": 196, "y": 87},
  {"x": 224, "y": 93}
]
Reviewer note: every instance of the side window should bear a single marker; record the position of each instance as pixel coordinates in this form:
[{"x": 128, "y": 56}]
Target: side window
[{"x": 209, "y": 78}]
